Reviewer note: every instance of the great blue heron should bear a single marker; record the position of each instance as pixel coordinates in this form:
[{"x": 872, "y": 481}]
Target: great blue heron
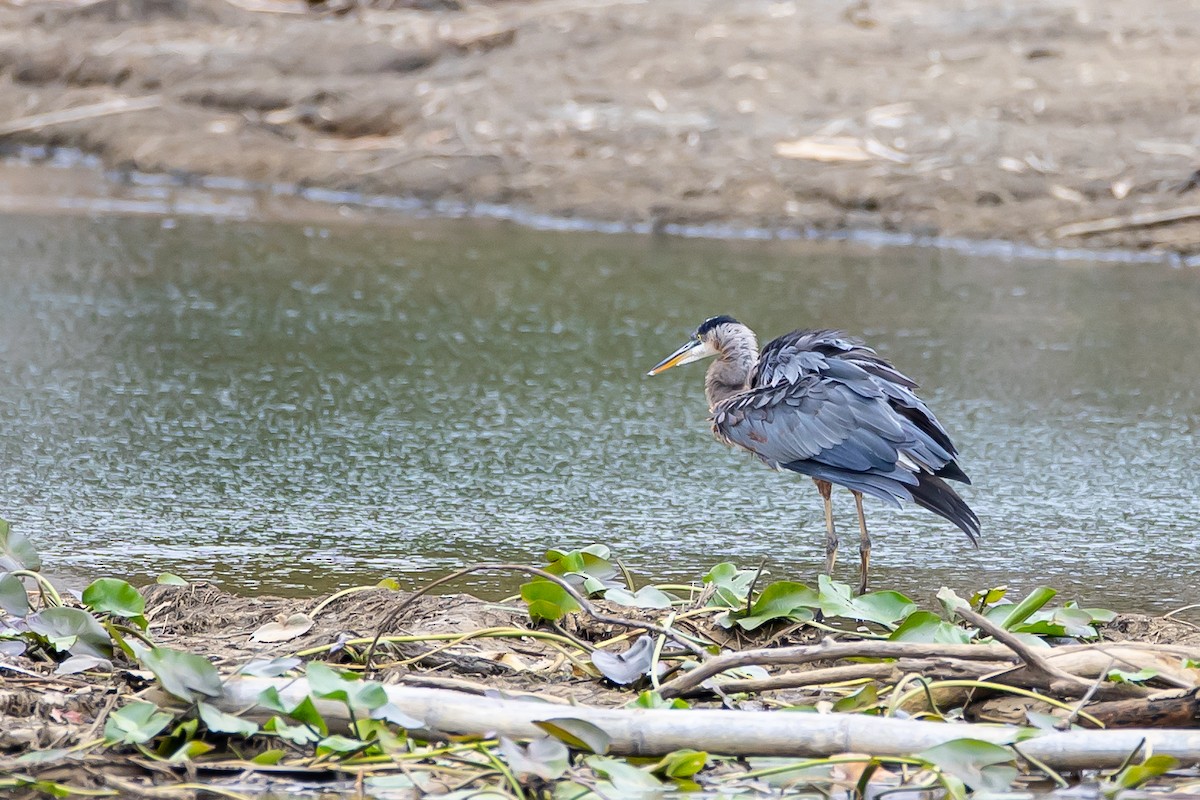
[{"x": 825, "y": 405}]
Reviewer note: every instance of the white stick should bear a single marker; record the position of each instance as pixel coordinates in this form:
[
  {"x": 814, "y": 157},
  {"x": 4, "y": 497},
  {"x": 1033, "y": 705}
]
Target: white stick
[{"x": 655, "y": 732}]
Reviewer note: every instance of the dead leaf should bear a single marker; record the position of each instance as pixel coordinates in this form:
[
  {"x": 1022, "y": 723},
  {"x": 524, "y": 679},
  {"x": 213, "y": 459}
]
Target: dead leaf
[{"x": 283, "y": 630}]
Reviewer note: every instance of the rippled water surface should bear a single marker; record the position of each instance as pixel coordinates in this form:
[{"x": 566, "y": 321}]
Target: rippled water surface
[{"x": 291, "y": 409}]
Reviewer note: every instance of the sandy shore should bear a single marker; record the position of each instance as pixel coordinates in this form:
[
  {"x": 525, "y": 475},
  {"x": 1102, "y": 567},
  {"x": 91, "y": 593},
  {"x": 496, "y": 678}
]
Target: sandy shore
[{"x": 1058, "y": 122}]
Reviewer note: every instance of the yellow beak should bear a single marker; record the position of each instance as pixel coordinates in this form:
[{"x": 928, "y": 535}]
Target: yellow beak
[{"x": 693, "y": 350}]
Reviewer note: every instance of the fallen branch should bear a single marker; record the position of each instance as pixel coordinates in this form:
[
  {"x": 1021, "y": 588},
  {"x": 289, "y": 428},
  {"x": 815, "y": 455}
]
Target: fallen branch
[
  {"x": 829, "y": 649},
  {"x": 120, "y": 105},
  {"x": 1167, "y": 710},
  {"x": 1144, "y": 219},
  {"x": 655, "y": 732},
  {"x": 1033, "y": 660}
]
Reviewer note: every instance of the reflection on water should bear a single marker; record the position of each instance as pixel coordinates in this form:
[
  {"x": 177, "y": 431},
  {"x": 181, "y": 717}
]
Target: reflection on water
[{"x": 293, "y": 409}]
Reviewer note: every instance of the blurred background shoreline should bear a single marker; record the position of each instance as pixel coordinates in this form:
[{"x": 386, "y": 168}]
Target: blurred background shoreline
[{"x": 1055, "y": 124}]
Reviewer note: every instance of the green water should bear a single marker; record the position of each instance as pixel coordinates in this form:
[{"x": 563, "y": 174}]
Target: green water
[{"x": 291, "y": 409}]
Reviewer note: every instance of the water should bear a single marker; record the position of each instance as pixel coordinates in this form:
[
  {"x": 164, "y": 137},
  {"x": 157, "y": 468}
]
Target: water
[{"x": 294, "y": 409}]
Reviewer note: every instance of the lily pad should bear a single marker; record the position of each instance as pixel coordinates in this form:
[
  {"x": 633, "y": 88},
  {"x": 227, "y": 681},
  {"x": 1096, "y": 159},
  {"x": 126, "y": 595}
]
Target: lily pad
[
  {"x": 16, "y": 551},
  {"x": 645, "y": 597},
  {"x": 71, "y": 630},
  {"x": 184, "y": 675},
  {"x": 13, "y": 597}
]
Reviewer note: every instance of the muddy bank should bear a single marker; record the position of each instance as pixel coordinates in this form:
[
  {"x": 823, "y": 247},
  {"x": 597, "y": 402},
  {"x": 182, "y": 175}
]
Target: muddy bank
[
  {"x": 67, "y": 727},
  {"x": 941, "y": 118}
]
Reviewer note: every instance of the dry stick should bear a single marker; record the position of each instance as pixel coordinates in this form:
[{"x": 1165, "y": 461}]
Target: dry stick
[
  {"x": 119, "y": 105},
  {"x": 851, "y": 672},
  {"x": 1144, "y": 219},
  {"x": 1083, "y": 701},
  {"x": 656, "y": 732},
  {"x": 584, "y": 604},
  {"x": 828, "y": 650},
  {"x": 1033, "y": 661}
]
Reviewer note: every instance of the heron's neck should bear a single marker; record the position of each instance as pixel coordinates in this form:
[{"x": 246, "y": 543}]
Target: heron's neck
[{"x": 728, "y": 375}]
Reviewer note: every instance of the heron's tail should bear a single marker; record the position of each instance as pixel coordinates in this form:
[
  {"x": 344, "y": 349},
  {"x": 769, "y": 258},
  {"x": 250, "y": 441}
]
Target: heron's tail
[{"x": 931, "y": 492}]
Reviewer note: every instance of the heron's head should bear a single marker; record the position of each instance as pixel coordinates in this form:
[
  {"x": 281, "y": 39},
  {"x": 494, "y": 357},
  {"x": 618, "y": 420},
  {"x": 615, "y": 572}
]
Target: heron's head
[{"x": 712, "y": 338}]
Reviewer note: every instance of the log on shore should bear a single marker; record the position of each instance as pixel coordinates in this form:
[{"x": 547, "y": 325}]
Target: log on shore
[{"x": 655, "y": 732}]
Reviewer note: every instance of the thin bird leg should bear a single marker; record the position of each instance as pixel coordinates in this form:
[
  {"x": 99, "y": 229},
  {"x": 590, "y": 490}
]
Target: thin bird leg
[
  {"x": 831, "y": 540},
  {"x": 864, "y": 544}
]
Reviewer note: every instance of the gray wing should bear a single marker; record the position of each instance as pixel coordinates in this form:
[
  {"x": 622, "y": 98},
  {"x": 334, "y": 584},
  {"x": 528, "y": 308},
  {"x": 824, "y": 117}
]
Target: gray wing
[
  {"x": 827, "y": 406},
  {"x": 827, "y": 427},
  {"x": 792, "y": 356}
]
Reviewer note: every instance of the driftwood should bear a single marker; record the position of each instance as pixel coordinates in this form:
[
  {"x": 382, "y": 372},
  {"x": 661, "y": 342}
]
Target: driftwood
[
  {"x": 1069, "y": 671},
  {"x": 1167, "y": 710},
  {"x": 118, "y": 105},
  {"x": 1144, "y": 219},
  {"x": 655, "y": 732},
  {"x": 829, "y": 650}
]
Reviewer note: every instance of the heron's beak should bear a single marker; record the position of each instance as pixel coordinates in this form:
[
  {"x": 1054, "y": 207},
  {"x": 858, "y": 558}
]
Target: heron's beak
[{"x": 694, "y": 350}]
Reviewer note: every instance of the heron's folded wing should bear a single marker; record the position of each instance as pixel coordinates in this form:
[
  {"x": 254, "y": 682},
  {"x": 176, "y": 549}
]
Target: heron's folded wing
[{"x": 817, "y": 419}]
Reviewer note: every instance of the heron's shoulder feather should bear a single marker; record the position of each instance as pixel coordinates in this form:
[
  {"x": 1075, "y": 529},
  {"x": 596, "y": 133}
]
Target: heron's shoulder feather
[{"x": 786, "y": 358}]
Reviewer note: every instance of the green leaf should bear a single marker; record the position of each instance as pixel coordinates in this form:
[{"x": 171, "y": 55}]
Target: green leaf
[
  {"x": 544, "y": 757},
  {"x": 780, "y": 600},
  {"x": 927, "y": 627},
  {"x": 731, "y": 585},
  {"x": 306, "y": 712},
  {"x": 547, "y": 600},
  {"x": 269, "y": 698},
  {"x": 628, "y": 780},
  {"x": 269, "y": 757},
  {"x": 588, "y": 569},
  {"x": 184, "y": 675},
  {"x": 296, "y": 734},
  {"x": 13, "y": 597},
  {"x": 16, "y": 552},
  {"x": 71, "y": 630},
  {"x": 645, "y": 597},
  {"x": 987, "y": 597},
  {"x": 358, "y": 695},
  {"x": 886, "y": 608},
  {"x": 1016, "y": 614},
  {"x": 649, "y": 699},
  {"x": 327, "y": 683},
  {"x": 865, "y": 698},
  {"x": 191, "y": 749},
  {"x": 681, "y": 764},
  {"x": 136, "y": 723},
  {"x": 82, "y": 663},
  {"x": 1135, "y": 775},
  {"x": 339, "y": 744},
  {"x": 218, "y": 721},
  {"x": 115, "y": 596},
  {"x": 390, "y": 712},
  {"x": 170, "y": 579},
  {"x": 577, "y": 733},
  {"x": 980, "y": 765},
  {"x": 1141, "y": 676}
]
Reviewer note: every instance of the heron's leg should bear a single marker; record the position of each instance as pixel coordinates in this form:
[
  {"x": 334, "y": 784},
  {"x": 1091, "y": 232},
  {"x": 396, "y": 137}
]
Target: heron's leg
[
  {"x": 864, "y": 544},
  {"x": 831, "y": 540}
]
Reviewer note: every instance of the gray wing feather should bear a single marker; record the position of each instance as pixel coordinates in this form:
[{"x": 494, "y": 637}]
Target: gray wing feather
[{"x": 825, "y": 405}]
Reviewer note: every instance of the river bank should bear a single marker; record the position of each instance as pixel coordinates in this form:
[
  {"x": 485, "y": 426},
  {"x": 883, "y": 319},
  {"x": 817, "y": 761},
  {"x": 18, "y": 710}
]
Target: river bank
[
  {"x": 1058, "y": 125},
  {"x": 619, "y": 687}
]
